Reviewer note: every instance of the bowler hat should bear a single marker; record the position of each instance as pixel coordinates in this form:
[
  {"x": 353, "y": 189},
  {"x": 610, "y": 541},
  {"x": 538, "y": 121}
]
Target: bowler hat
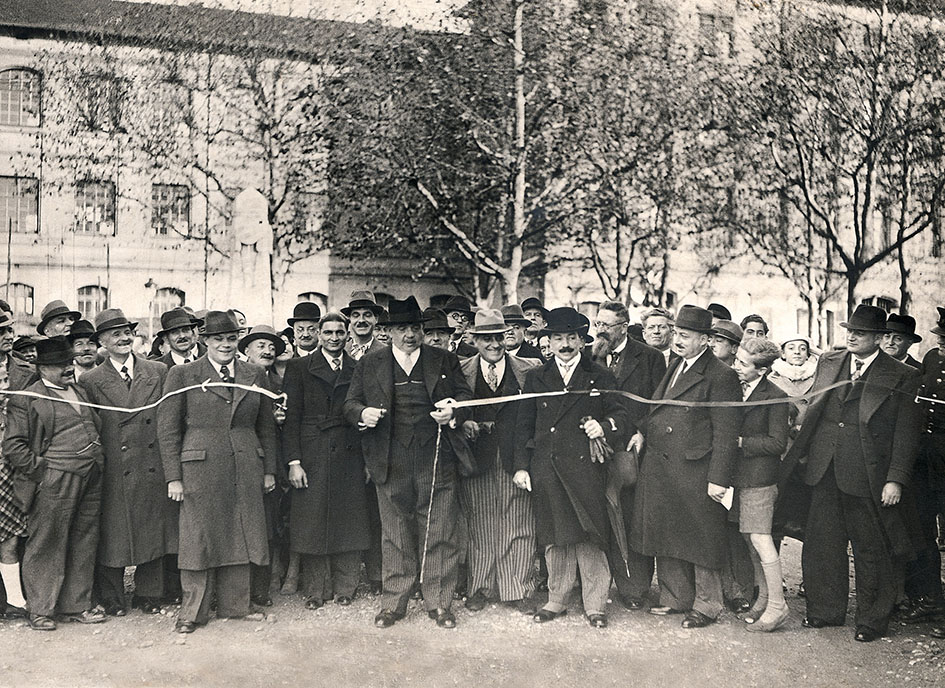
[
  {"x": 940, "y": 325},
  {"x": 694, "y": 318},
  {"x": 491, "y": 321},
  {"x": 176, "y": 318},
  {"x": 719, "y": 311},
  {"x": 81, "y": 329},
  {"x": 110, "y": 319},
  {"x": 533, "y": 302},
  {"x": 404, "y": 312},
  {"x": 53, "y": 351},
  {"x": 457, "y": 303},
  {"x": 902, "y": 324},
  {"x": 867, "y": 319},
  {"x": 262, "y": 332},
  {"x": 219, "y": 322},
  {"x": 513, "y": 315},
  {"x": 54, "y": 309},
  {"x": 565, "y": 320},
  {"x": 435, "y": 319},
  {"x": 23, "y": 343},
  {"x": 305, "y": 311},
  {"x": 729, "y": 330},
  {"x": 360, "y": 300}
]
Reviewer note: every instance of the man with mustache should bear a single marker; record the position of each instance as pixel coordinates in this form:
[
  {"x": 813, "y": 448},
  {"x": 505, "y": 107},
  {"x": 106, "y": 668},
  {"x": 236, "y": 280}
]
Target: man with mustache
[
  {"x": 84, "y": 347},
  {"x": 179, "y": 330},
  {"x": 638, "y": 369},
  {"x": 304, "y": 322},
  {"x": 56, "y": 444},
  {"x": 362, "y": 311},
  {"x": 139, "y": 522}
]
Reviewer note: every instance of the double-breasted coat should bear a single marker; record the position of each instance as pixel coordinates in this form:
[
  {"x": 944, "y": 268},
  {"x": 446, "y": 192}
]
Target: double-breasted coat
[
  {"x": 139, "y": 522},
  {"x": 330, "y": 516},
  {"x": 567, "y": 487},
  {"x": 219, "y": 442},
  {"x": 686, "y": 448}
]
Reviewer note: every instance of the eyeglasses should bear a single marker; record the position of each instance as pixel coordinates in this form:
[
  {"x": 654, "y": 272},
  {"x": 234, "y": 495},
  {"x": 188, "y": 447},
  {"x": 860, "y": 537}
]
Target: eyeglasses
[
  {"x": 458, "y": 317},
  {"x": 606, "y": 326}
]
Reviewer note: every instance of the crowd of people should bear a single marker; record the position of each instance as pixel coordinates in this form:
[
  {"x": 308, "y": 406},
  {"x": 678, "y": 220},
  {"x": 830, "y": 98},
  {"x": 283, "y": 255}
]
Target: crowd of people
[{"x": 488, "y": 455}]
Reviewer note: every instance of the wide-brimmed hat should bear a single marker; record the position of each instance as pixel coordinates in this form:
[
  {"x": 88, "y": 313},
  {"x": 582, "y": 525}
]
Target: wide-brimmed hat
[
  {"x": 305, "y": 311},
  {"x": 262, "y": 332},
  {"x": 513, "y": 315},
  {"x": 219, "y": 322},
  {"x": 54, "y": 309},
  {"x": 53, "y": 351},
  {"x": 694, "y": 318},
  {"x": 404, "y": 312},
  {"x": 435, "y": 319},
  {"x": 110, "y": 319},
  {"x": 23, "y": 343},
  {"x": 491, "y": 321},
  {"x": 565, "y": 320},
  {"x": 534, "y": 302},
  {"x": 457, "y": 303},
  {"x": 940, "y": 325},
  {"x": 359, "y": 300},
  {"x": 867, "y": 318},
  {"x": 729, "y": 330},
  {"x": 719, "y": 311},
  {"x": 81, "y": 329},
  {"x": 904, "y": 325},
  {"x": 177, "y": 318}
]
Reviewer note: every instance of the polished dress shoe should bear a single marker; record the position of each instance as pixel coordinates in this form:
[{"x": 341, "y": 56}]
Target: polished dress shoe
[
  {"x": 476, "y": 602},
  {"x": 38, "y": 622},
  {"x": 261, "y": 600},
  {"x": 115, "y": 610},
  {"x": 314, "y": 603},
  {"x": 865, "y": 634},
  {"x": 739, "y": 605},
  {"x": 343, "y": 600},
  {"x": 89, "y": 616},
  {"x": 696, "y": 619},
  {"x": 814, "y": 622},
  {"x": 444, "y": 618},
  {"x": 185, "y": 626},
  {"x": 597, "y": 620},
  {"x": 634, "y": 604},
  {"x": 546, "y": 615},
  {"x": 149, "y": 606},
  {"x": 664, "y": 611},
  {"x": 387, "y": 618}
]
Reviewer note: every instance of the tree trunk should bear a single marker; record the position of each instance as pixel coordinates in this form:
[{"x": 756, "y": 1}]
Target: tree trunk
[
  {"x": 905, "y": 297},
  {"x": 510, "y": 276}
]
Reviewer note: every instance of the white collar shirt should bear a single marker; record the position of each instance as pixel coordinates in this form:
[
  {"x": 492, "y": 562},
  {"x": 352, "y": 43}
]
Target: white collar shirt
[
  {"x": 406, "y": 361},
  {"x": 567, "y": 368}
]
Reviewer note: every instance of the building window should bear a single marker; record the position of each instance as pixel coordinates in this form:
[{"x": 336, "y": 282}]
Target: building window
[
  {"x": 716, "y": 35},
  {"x": 100, "y": 101},
  {"x": 93, "y": 299},
  {"x": 170, "y": 209},
  {"x": 20, "y": 298},
  {"x": 19, "y": 204},
  {"x": 95, "y": 208},
  {"x": 831, "y": 325},
  {"x": 19, "y": 97},
  {"x": 589, "y": 309},
  {"x": 887, "y": 304},
  {"x": 168, "y": 298}
]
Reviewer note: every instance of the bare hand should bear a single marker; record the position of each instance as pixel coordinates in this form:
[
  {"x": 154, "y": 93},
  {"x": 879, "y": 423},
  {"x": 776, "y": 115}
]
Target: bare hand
[
  {"x": 636, "y": 443},
  {"x": 269, "y": 482},
  {"x": 371, "y": 416},
  {"x": 716, "y": 492},
  {"x": 522, "y": 480},
  {"x": 892, "y": 493},
  {"x": 297, "y": 477},
  {"x": 471, "y": 429},
  {"x": 592, "y": 429},
  {"x": 442, "y": 416},
  {"x": 175, "y": 491}
]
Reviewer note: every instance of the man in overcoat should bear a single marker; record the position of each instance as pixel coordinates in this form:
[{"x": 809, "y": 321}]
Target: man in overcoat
[
  {"x": 304, "y": 322},
  {"x": 392, "y": 398},
  {"x": 499, "y": 515},
  {"x": 515, "y": 344},
  {"x": 139, "y": 522},
  {"x": 860, "y": 441},
  {"x": 685, "y": 469},
  {"x": 219, "y": 449},
  {"x": 179, "y": 330},
  {"x": 555, "y": 462},
  {"x": 328, "y": 517}
]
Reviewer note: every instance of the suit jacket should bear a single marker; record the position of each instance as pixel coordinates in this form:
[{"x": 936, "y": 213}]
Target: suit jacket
[
  {"x": 139, "y": 522},
  {"x": 168, "y": 360},
  {"x": 372, "y": 384},
  {"x": 764, "y": 434},
  {"x": 687, "y": 448},
  {"x": 219, "y": 442},
  {"x": 506, "y": 433},
  {"x": 639, "y": 371}
]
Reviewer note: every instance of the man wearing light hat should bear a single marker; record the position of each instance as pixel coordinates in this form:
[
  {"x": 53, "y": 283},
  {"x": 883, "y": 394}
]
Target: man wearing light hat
[
  {"x": 139, "y": 522},
  {"x": 900, "y": 337},
  {"x": 515, "y": 343},
  {"x": 56, "y": 319},
  {"x": 55, "y": 442},
  {"x": 362, "y": 311},
  {"x": 860, "y": 442},
  {"x": 179, "y": 330},
  {"x": 304, "y": 322},
  {"x": 499, "y": 515}
]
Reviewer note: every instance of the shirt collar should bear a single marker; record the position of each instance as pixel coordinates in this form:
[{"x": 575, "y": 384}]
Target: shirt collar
[
  {"x": 623, "y": 345},
  {"x": 568, "y": 365},
  {"x": 179, "y": 360},
  {"x": 406, "y": 361},
  {"x": 329, "y": 358},
  {"x": 747, "y": 391},
  {"x": 231, "y": 366},
  {"x": 128, "y": 363},
  {"x": 499, "y": 367},
  {"x": 690, "y": 361},
  {"x": 52, "y": 385},
  {"x": 866, "y": 362}
]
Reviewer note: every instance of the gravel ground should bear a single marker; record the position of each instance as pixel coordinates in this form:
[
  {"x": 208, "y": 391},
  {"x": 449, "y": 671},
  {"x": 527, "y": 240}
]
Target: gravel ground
[{"x": 339, "y": 646}]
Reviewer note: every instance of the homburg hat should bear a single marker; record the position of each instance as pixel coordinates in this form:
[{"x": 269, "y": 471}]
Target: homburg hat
[
  {"x": 940, "y": 325},
  {"x": 694, "y": 318},
  {"x": 53, "y": 351},
  {"x": 404, "y": 312},
  {"x": 359, "y": 300},
  {"x": 435, "y": 319},
  {"x": 533, "y": 302},
  {"x": 110, "y": 319},
  {"x": 305, "y": 311},
  {"x": 177, "y": 318},
  {"x": 219, "y": 322},
  {"x": 729, "y": 330},
  {"x": 867, "y": 318},
  {"x": 491, "y": 321},
  {"x": 262, "y": 332},
  {"x": 514, "y": 315},
  {"x": 904, "y": 325},
  {"x": 457, "y": 303},
  {"x": 54, "y": 309},
  {"x": 82, "y": 329}
]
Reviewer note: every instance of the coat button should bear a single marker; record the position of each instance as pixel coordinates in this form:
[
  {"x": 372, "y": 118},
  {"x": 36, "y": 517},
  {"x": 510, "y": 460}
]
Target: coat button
[
  {"x": 839, "y": 425},
  {"x": 127, "y": 473},
  {"x": 124, "y": 447},
  {"x": 669, "y": 429},
  {"x": 151, "y": 470},
  {"x": 228, "y": 401},
  {"x": 147, "y": 421},
  {"x": 151, "y": 445},
  {"x": 551, "y": 429}
]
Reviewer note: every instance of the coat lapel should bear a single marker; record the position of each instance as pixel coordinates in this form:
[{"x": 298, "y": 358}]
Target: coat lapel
[
  {"x": 431, "y": 372},
  {"x": 384, "y": 371},
  {"x": 318, "y": 367},
  {"x": 244, "y": 375},
  {"x": 690, "y": 378},
  {"x": 208, "y": 372},
  {"x": 115, "y": 390},
  {"x": 580, "y": 379},
  {"x": 629, "y": 362},
  {"x": 881, "y": 378},
  {"x": 142, "y": 384},
  {"x": 469, "y": 366}
]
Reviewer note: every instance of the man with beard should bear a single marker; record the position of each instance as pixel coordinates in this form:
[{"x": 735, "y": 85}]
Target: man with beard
[
  {"x": 139, "y": 522},
  {"x": 658, "y": 331},
  {"x": 179, "y": 330},
  {"x": 436, "y": 329},
  {"x": 535, "y": 313},
  {"x": 362, "y": 311},
  {"x": 84, "y": 347},
  {"x": 56, "y": 319},
  {"x": 56, "y": 444},
  {"x": 459, "y": 314},
  {"x": 638, "y": 369},
  {"x": 900, "y": 338},
  {"x": 304, "y": 322},
  {"x": 515, "y": 343},
  {"x": 726, "y": 336}
]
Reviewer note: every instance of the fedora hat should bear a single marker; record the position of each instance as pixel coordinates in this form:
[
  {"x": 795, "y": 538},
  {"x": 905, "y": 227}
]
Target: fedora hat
[
  {"x": 53, "y": 351},
  {"x": 82, "y": 329},
  {"x": 435, "y": 319},
  {"x": 533, "y": 302},
  {"x": 404, "y": 312},
  {"x": 491, "y": 321},
  {"x": 940, "y": 325},
  {"x": 457, "y": 303},
  {"x": 514, "y": 315},
  {"x": 54, "y": 309},
  {"x": 176, "y": 318},
  {"x": 694, "y": 318},
  {"x": 904, "y": 325},
  {"x": 867, "y": 318},
  {"x": 719, "y": 311},
  {"x": 6, "y": 319},
  {"x": 728, "y": 329},
  {"x": 219, "y": 322},
  {"x": 360, "y": 300},
  {"x": 305, "y": 311},
  {"x": 110, "y": 319},
  {"x": 262, "y": 332},
  {"x": 565, "y": 320}
]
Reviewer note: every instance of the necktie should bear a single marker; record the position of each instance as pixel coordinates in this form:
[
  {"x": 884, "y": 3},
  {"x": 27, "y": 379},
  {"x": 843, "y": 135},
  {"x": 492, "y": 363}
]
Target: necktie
[
  {"x": 186, "y": 360},
  {"x": 336, "y": 364},
  {"x": 125, "y": 376},
  {"x": 614, "y": 360},
  {"x": 224, "y": 374},
  {"x": 357, "y": 351},
  {"x": 492, "y": 377},
  {"x": 745, "y": 386},
  {"x": 857, "y": 369}
]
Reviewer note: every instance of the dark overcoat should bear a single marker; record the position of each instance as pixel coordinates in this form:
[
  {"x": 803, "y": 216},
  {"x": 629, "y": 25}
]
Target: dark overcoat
[
  {"x": 219, "y": 442},
  {"x": 139, "y": 522},
  {"x": 686, "y": 448},
  {"x": 330, "y": 515},
  {"x": 639, "y": 371},
  {"x": 567, "y": 488}
]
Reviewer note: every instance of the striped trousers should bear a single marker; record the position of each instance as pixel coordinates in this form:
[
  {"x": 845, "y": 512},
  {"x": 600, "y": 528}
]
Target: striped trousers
[{"x": 501, "y": 527}]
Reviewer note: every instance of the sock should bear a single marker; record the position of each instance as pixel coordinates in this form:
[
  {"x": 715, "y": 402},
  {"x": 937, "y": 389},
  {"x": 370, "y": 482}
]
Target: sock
[
  {"x": 11, "y": 581},
  {"x": 762, "y": 600},
  {"x": 772, "y": 570}
]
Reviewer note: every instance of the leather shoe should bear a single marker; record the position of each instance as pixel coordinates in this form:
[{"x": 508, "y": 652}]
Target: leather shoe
[
  {"x": 386, "y": 618},
  {"x": 185, "y": 626},
  {"x": 597, "y": 620},
  {"x": 546, "y": 615},
  {"x": 865, "y": 634},
  {"x": 476, "y": 602},
  {"x": 313, "y": 603},
  {"x": 12, "y": 612},
  {"x": 664, "y": 611},
  {"x": 115, "y": 610},
  {"x": 739, "y": 605},
  {"x": 920, "y": 611},
  {"x": 444, "y": 618},
  {"x": 696, "y": 619},
  {"x": 41, "y": 623},
  {"x": 149, "y": 606},
  {"x": 343, "y": 600},
  {"x": 773, "y": 624},
  {"x": 89, "y": 616},
  {"x": 634, "y": 604},
  {"x": 814, "y": 622},
  {"x": 261, "y": 600}
]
